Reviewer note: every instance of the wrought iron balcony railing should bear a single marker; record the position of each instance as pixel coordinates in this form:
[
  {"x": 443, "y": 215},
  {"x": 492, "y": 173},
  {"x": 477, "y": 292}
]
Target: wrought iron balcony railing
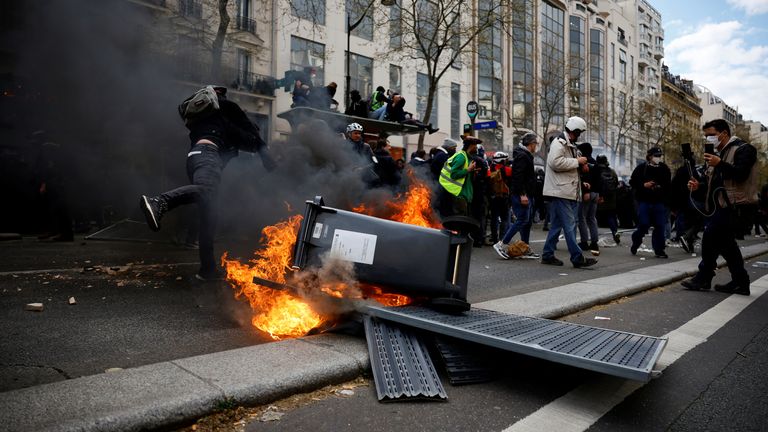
[
  {"x": 191, "y": 8},
  {"x": 245, "y": 24}
]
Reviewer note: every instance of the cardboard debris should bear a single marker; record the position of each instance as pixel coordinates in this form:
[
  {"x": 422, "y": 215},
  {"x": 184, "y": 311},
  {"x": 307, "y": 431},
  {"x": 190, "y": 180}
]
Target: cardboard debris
[{"x": 35, "y": 307}]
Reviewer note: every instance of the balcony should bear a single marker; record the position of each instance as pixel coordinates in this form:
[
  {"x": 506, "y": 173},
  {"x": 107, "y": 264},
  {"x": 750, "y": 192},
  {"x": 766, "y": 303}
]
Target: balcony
[
  {"x": 191, "y": 9},
  {"x": 196, "y": 71},
  {"x": 645, "y": 59},
  {"x": 658, "y": 51},
  {"x": 245, "y": 24}
]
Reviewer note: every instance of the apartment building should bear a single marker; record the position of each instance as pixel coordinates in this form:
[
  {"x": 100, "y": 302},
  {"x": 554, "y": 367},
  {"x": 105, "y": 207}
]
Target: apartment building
[{"x": 682, "y": 107}]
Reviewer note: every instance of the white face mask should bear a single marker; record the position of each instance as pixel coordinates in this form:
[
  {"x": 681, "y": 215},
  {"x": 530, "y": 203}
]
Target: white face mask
[
  {"x": 712, "y": 139},
  {"x": 656, "y": 160}
]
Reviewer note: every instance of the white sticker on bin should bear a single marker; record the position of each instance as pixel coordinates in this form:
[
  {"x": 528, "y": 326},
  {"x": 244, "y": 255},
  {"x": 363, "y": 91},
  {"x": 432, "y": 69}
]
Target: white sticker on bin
[
  {"x": 353, "y": 246},
  {"x": 318, "y": 230}
]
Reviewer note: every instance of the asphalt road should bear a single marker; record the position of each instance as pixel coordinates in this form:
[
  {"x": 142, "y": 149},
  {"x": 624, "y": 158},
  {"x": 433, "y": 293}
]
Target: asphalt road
[{"x": 720, "y": 385}]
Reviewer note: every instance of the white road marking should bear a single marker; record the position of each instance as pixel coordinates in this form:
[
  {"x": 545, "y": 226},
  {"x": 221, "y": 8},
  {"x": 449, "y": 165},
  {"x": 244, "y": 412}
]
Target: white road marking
[{"x": 585, "y": 405}]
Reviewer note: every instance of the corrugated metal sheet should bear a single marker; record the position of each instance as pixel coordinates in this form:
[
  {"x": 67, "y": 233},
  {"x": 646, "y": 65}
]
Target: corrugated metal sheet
[
  {"x": 611, "y": 352},
  {"x": 401, "y": 364}
]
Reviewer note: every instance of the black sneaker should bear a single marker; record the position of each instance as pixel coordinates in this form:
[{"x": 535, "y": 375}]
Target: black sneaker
[
  {"x": 633, "y": 248},
  {"x": 153, "y": 209},
  {"x": 585, "y": 262},
  {"x": 694, "y": 284},
  {"x": 732, "y": 288},
  {"x": 551, "y": 261},
  {"x": 661, "y": 254},
  {"x": 594, "y": 249},
  {"x": 617, "y": 238}
]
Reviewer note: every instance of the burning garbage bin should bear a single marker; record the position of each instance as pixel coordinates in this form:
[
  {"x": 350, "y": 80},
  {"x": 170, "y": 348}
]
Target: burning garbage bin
[{"x": 400, "y": 258}]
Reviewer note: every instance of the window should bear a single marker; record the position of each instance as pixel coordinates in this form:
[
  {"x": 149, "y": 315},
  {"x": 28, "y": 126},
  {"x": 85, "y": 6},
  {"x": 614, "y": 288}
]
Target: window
[
  {"x": 243, "y": 18},
  {"x": 455, "y": 45},
  {"x": 308, "y": 54},
  {"x": 422, "y": 92},
  {"x": 365, "y": 28},
  {"x": 361, "y": 74},
  {"x": 455, "y": 110},
  {"x": 426, "y": 27},
  {"x": 522, "y": 64},
  {"x": 613, "y": 60},
  {"x": 395, "y": 78},
  {"x": 553, "y": 65},
  {"x": 243, "y": 67},
  {"x": 395, "y": 27},
  {"x": 577, "y": 65},
  {"x": 597, "y": 81},
  {"x": 311, "y": 10},
  {"x": 191, "y": 9},
  {"x": 622, "y": 66}
]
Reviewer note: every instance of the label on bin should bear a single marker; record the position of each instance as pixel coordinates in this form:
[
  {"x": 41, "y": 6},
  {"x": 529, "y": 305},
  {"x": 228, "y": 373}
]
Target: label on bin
[
  {"x": 353, "y": 246},
  {"x": 318, "y": 229}
]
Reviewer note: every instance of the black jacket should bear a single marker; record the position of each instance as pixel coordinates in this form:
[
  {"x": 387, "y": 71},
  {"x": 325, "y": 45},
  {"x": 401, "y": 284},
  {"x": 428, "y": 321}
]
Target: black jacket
[
  {"x": 229, "y": 128},
  {"x": 523, "y": 174},
  {"x": 646, "y": 172}
]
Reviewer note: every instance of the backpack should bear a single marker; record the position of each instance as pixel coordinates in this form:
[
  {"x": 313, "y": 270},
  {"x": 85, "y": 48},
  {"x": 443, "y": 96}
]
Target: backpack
[
  {"x": 499, "y": 186},
  {"x": 610, "y": 181},
  {"x": 200, "y": 105}
]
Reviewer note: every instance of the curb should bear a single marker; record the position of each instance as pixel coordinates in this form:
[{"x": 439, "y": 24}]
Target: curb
[{"x": 170, "y": 393}]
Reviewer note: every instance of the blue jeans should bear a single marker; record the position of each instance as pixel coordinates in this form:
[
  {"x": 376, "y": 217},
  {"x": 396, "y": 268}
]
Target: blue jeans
[
  {"x": 204, "y": 166},
  {"x": 562, "y": 213},
  {"x": 523, "y": 220},
  {"x": 379, "y": 113},
  {"x": 651, "y": 215}
]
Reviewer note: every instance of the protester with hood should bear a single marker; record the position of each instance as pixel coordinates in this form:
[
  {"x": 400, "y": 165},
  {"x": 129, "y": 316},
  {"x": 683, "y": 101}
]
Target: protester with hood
[
  {"x": 587, "y": 213},
  {"x": 479, "y": 202},
  {"x": 216, "y": 137},
  {"x": 608, "y": 195},
  {"x": 441, "y": 155},
  {"x": 357, "y": 107}
]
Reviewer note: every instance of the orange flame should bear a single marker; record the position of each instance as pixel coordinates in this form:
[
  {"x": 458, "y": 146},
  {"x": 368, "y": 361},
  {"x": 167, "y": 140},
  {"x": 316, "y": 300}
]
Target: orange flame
[{"x": 281, "y": 313}]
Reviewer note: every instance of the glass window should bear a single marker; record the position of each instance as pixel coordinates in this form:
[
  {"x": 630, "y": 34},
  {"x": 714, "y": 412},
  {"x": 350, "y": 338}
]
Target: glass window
[
  {"x": 522, "y": 64},
  {"x": 422, "y": 92},
  {"x": 361, "y": 74},
  {"x": 365, "y": 28},
  {"x": 577, "y": 65},
  {"x": 395, "y": 78},
  {"x": 622, "y": 66},
  {"x": 456, "y": 110},
  {"x": 597, "y": 82},
  {"x": 553, "y": 64},
  {"x": 308, "y": 54},
  {"x": 395, "y": 27},
  {"x": 311, "y": 10}
]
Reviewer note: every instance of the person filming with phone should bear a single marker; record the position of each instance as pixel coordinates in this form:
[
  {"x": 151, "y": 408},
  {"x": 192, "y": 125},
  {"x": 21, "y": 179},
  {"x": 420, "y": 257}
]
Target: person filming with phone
[{"x": 730, "y": 181}]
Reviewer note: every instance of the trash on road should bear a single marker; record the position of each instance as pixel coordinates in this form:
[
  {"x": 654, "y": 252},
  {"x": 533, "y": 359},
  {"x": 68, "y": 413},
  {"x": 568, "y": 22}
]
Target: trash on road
[
  {"x": 760, "y": 264},
  {"x": 72, "y": 301},
  {"x": 271, "y": 414},
  {"x": 597, "y": 317},
  {"x": 34, "y": 307},
  {"x": 345, "y": 392}
]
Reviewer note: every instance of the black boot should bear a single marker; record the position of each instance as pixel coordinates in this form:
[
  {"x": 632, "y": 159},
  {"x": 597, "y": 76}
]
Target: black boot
[{"x": 153, "y": 208}]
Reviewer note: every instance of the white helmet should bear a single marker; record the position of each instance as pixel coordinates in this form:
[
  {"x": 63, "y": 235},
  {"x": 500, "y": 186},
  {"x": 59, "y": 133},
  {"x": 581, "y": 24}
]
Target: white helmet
[
  {"x": 354, "y": 127},
  {"x": 576, "y": 124},
  {"x": 500, "y": 156}
]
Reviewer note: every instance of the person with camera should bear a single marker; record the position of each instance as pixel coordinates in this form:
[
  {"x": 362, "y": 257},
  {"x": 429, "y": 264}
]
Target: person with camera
[
  {"x": 651, "y": 182},
  {"x": 729, "y": 181}
]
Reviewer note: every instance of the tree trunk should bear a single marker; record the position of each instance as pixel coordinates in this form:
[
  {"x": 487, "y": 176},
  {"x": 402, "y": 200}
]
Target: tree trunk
[{"x": 218, "y": 43}]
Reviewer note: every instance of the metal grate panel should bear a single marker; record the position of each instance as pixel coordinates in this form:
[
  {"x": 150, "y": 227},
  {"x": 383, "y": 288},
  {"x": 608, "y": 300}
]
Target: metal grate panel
[
  {"x": 612, "y": 352},
  {"x": 464, "y": 362},
  {"x": 401, "y": 364}
]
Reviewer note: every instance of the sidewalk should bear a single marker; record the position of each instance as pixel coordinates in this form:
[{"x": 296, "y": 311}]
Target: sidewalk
[{"x": 169, "y": 393}]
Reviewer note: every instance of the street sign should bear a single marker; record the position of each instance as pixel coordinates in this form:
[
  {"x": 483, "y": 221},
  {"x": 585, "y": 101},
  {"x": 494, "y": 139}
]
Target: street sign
[
  {"x": 486, "y": 125},
  {"x": 472, "y": 109}
]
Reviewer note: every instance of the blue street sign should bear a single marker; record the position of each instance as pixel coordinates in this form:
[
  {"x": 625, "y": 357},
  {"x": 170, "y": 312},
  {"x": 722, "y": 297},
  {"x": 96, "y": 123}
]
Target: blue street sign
[{"x": 486, "y": 125}]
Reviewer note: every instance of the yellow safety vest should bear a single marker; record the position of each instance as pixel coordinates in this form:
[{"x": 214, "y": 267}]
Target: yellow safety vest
[{"x": 453, "y": 186}]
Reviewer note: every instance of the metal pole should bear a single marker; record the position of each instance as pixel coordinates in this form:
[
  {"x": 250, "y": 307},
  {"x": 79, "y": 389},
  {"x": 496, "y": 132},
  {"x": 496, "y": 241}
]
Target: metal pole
[{"x": 347, "y": 102}]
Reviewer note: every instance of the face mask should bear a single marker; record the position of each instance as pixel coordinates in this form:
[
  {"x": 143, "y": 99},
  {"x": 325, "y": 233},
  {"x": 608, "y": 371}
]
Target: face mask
[
  {"x": 712, "y": 139},
  {"x": 656, "y": 160}
]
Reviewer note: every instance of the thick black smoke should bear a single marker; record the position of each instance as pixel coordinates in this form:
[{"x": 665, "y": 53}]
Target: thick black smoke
[{"x": 88, "y": 73}]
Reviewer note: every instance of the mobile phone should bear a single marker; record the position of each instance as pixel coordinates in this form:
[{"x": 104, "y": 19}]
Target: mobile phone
[
  {"x": 709, "y": 148},
  {"x": 685, "y": 149}
]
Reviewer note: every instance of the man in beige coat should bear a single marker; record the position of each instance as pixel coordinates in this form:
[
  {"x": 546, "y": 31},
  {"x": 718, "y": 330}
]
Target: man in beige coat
[{"x": 563, "y": 187}]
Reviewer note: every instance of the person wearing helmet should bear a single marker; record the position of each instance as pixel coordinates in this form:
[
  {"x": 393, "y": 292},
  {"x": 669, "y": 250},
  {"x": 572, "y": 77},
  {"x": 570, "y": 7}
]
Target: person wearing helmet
[
  {"x": 563, "y": 187},
  {"x": 355, "y": 140},
  {"x": 522, "y": 191},
  {"x": 215, "y": 139}
]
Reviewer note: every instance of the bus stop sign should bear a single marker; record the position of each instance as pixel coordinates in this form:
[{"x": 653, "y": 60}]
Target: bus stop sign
[{"x": 472, "y": 109}]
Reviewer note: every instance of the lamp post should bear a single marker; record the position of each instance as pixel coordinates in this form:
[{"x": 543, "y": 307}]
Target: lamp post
[{"x": 351, "y": 26}]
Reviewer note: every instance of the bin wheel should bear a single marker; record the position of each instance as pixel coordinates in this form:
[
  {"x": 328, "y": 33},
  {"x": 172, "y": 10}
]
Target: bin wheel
[
  {"x": 460, "y": 224},
  {"x": 449, "y": 305}
]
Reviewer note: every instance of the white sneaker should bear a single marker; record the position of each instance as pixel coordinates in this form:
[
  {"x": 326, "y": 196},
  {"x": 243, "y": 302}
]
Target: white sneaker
[
  {"x": 530, "y": 255},
  {"x": 501, "y": 249}
]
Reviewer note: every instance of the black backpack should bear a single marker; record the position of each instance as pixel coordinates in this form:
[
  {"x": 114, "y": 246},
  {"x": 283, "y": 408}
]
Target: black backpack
[
  {"x": 200, "y": 105},
  {"x": 609, "y": 179}
]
